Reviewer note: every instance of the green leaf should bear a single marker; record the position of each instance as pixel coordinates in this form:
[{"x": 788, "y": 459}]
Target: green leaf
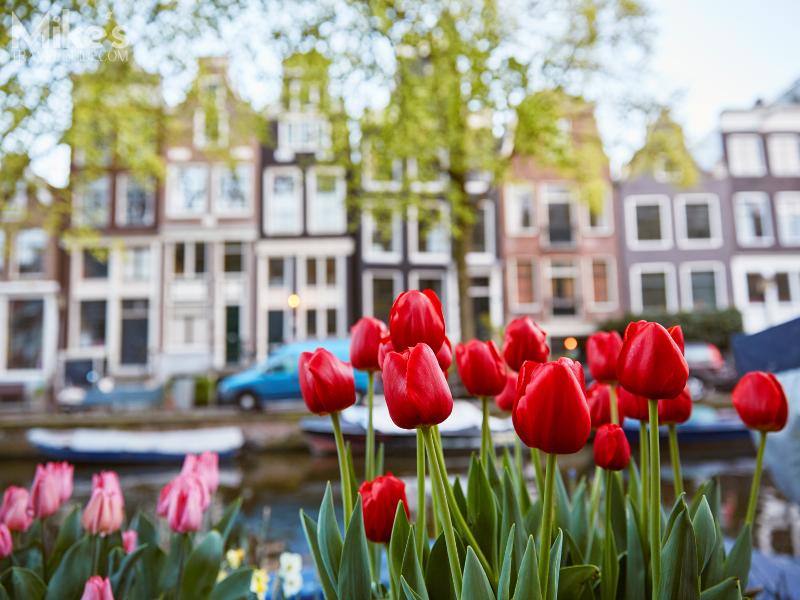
[
  {"x": 458, "y": 493},
  {"x": 705, "y": 532},
  {"x": 353, "y": 478},
  {"x": 575, "y": 580},
  {"x": 635, "y": 568},
  {"x": 354, "y": 573},
  {"x": 235, "y": 586},
  {"x": 144, "y": 585},
  {"x": 579, "y": 518},
  {"x": 310, "y": 530},
  {"x": 511, "y": 515},
  {"x": 504, "y": 584},
  {"x": 228, "y": 520},
  {"x": 408, "y": 592},
  {"x": 201, "y": 568},
  {"x": 411, "y": 570},
  {"x": 573, "y": 550},
  {"x": 737, "y": 563},
  {"x": 120, "y": 578},
  {"x": 68, "y": 534},
  {"x": 562, "y": 502},
  {"x": 329, "y": 537},
  {"x": 729, "y": 589},
  {"x": 180, "y": 545},
  {"x": 608, "y": 585},
  {"x": 617, "y": 511},
  {"x": 677, "y": 509},
  {"x": 74, "y": 569},
  {"x": 475, "y": 584},
  {"x": 146, "y": 532},
  {"x": 397, "y": 545},
  {"x": 555, "y": 566},
  {"x": 482, "y": 510},
  {"x": 24, "y": 583},
  {"x": 528, "y": 586},
  {"x": 680, "y": 577},
  {"x": 437, "y": 580},
  {"x": 3, "y": 593},
  {"x": 634, "y": 483}
]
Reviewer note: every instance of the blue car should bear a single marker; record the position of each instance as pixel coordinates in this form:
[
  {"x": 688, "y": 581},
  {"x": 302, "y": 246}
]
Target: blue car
[{"x": 276, "y": 378}]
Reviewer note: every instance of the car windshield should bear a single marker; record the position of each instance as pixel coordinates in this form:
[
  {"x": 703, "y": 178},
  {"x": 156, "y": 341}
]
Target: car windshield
[
  {"x": 285, "y": 363},
  {"x": 697, "y": 353}
]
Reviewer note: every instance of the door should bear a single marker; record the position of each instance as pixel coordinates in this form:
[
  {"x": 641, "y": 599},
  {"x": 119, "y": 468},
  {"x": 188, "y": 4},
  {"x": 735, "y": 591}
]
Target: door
[
  {"x": 133, "y": 350},
  {"x": 275, "y": 328},
  {"x": 233, "y": 342}
]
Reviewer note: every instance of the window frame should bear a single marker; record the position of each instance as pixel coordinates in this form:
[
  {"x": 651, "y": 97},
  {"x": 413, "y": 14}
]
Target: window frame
[
  {"x": 42, "y": 256},
  {"x": 763, "y": 199},
  {"x": 608, "y": 209},
  {"x": 735, "y": 170},
  {"x": 219, "y": 171},
  {"x": 415, "y": 255},
  {"x": 686, "y": 269},
  {"x": 549, "y": 192},
  {"x": 269, "y": 176},
  {"x": 513, "y": 227},
  {"x": 773, "y": 142},
  {"x": 635, "y": 273},
  {"x": 612, "y": 279},
  {"x": 487, "y": 256},
  {"x": 324, "y": 227},
  {"x": 369, "y": 276},
  {"x": 682, "y": 238},
  {"x": 79, "y": 216},
  {"x": 120, "y": 216},
  {"x": 632, "y": 203},
  {"x": 179, "y": 212},
  {"x": 512, "y": 281},
  {"x": 368, "y": 227},
  {"x": 781, "y": 203}
]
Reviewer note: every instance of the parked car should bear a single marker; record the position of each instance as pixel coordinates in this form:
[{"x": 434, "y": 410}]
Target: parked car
[
  {"x": 275, "y": 379},
  {"x": 708, "y": 370}
]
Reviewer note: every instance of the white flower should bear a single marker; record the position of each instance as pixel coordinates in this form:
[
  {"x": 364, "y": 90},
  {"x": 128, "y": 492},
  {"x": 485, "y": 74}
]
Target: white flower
[
  {"x": 292, "y": 585},
  {"x": 289, "y": 564},
  {"x": 221, "y": 575},
  {"x": 259, "y": 583},
  {"x": 234, "y": 558}
]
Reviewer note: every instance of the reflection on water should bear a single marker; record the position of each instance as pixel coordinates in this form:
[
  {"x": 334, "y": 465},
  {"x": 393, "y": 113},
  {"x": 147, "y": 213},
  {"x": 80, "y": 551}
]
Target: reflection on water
[{"x": 274, "y": 487}]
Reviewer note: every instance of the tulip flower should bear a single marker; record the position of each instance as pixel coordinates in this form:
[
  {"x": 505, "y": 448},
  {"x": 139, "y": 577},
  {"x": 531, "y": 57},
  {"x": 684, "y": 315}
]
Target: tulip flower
[
  {"x": 205, "y": 466},
  {"x": 186, "y": 502},
  {"x": 524, "y": 340},
  {"x": 633, "y": 406},
  {"x": 672, "y": 412},
  {"x": 761, "y": 402},
  {"x": 601, "y": 408},
  {"x": 505, "y": 399},
  {"x": 602, "y": 352},
  {"x": 46, "y": 492},
  {"x": 104, "y": 512},
  {"x": 130, "y": 540},
  {"x": 384, "y": 349},
  {"x": 97, "y": 588},
  {"x": 444, "y": 356},
  {"x": 416, "y": 318},
  {"x": 6, "y": 543},
  {"x": 14, "y": 511},
  {"x": 379, "y": 499},
  {"x": 611, "y": 448}
]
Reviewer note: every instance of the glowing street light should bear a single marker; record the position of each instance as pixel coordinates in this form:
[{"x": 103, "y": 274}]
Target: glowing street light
[
  {"x": 293, "y": 301},
  {"x": 570, "y": 343}
]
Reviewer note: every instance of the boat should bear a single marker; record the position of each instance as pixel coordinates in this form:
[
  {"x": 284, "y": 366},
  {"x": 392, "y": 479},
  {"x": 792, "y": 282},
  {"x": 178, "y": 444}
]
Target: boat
[
  {"x": 460, "y": 432},
  {"x": 706, "y": 426},
  {"x": 117, "y": 446}
]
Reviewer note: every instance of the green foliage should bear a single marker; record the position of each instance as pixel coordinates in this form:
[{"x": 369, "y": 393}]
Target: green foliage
[{"x": 665, "y": 152}]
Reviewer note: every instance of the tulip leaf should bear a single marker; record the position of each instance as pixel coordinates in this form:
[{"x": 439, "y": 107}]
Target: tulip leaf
[
  {"x": 578, "y": 518},
  {"x": 608, "y": 585},
  {"x": 705, "y": 531},
  {"x": 145, "y": 529},
  {"x": 528, "y": 587},
  {"x": 555, "y": 566},
  {"x": 144, "y": 585},
  {"x": 713, "y": 573},
  {"x": 3, "y": 593},
  {"x": 201, "y": 568},
  {"x": 411, "y": 569},
  {"x": 74, "y": 569},
  {"x": 353, "y": 478},
  {"x": 235, "y": 586},
  {"x": 24, "y": 583},
  {"x": 121, "y": 575},
  {"x": 511, "y": 514},
  {"x": 533, "y": 519},
  {"x": 397, "y": 544},
  {"x": 680, "y": 576},
  {"x": 482, "y": 510},
  {"x": 562, "y": 502},
  {"x": 179, "y": 548},
  {"x": 504, "y": 584},
  {"x": 228, "y": 520},
  {"x": 635, "y": 569},
  {"x": 634, "y": 484},
  {"x": 458, "y": 493},
  {"x": 328, "y": 536},
  {"x": 408, "y": 592},
  {"x": 439, "y": 585},
  {"x": 310, "y": 530},
  {"x": 68, "y": 534},
  {"x": 737, "y": 563},
  {"x": 573, "y": 550},
  {"x": 677, "y": 509},
  {"x": 729, "y": 589},
  {"x": 354, "y": 573},
  {"x": 574, "y": 581},
  {"x": 475, "y": 584}
]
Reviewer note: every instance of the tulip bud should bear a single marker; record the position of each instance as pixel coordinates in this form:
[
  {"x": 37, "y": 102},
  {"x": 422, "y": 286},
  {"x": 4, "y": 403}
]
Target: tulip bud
[
  {"x": 14, "y": 511},
  {"x": 365, "y": 341},
  {"x": 445, "y": 356},
  {"x": 552, "y": 413},
  {"x": 46, "y": 491},
  {"x": 761, "y": 402},
  {"x": 505, "y": 400},
  {"x": 130, "y": 540},
  {"x": 417, "y": 318},
  {"x": 675, "y": 410},
  {"x": 611, "y": 448},
  {"x": 97, "y": 588},
  {"x": 651, "y": 362},
  {"x": 327, "y": 383},
  {"x": 6, "y": 542},
  {"x": 481, "y": 368},
  {"x": 205, "y": 466},
  {"x": 598, "y": 396},
  {"x": 602, "y": 352},
  {"x": 524, "y": 340},
  {"x": 379, "y": 499},
  {"x": 187, "y": 499},
  {"x": 633, "y": 406},
  {"x": 416, "y": 390},
  {"x": 104, "y": 512}
]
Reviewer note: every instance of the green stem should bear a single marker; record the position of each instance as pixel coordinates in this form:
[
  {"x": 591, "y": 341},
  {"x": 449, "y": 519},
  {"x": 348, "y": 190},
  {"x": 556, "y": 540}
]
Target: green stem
[
  {"x": 518, "y": 458},
  {"x": 181, "y": 558},
  {"x": 421, "y": 531},
  {"x": 369, "y": 460},
  {"x": 547, "y": 523},
  {"x": 644, "y": 458},
  {"x": 608, "y": 533},
  {"x": 753, "y": 502},
  {"x": 344, "y": 472},
  {"x": 536, "y": 459},
  {"x": 675, "y": 457},
  {"x": 612, "y": 399},
  {"x": 487, "y": 448},
  {"x": 44, "y": 550},
  {"x": 655, "y": 496},
  {"x": 437, "y": 480}
]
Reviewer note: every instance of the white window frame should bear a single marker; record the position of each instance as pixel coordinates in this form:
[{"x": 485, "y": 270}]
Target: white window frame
[
  {"x": 369, "y": 275},
  {"x": 665, "y": 216},
  {"x": 179, "y": 212},
  {"x": 199, "y": 119},
  {"x": 416, "y": 255},
  {"x": 611, "y": 273},
  {"x": 768, "y": 239},
  {"x": 269, "y": 180},
  {"x": 368, "y": 227},
  {"x": 511, "y": 196},
  {"x": 635, "y": 273},
  {"x": 550, "y": 272},
  {"x": 217, "y": 173},
  {"x": 15, "y": 253},
  {"x": 317, "y": 223},
  {"x": 687, "y": 293},
  {"x": 79, "y": 217},
  {"x": 288, "y": 120},
  {"x": 122, "y": 204},
  {"x": 415, "y": 275},
  {"x": 128, "y": 269},
  {"x": 606, "y": 228},
  {"x": 546, "y": 192},
  {"x": 783, "y": 201},
  {"x": 490, "y": 223},
  {"x": 737, "y": 169},
  {"x": 777, "y": 146},
  {"x": 714, "y": 219},
  {"x": 513, "y": 291}
]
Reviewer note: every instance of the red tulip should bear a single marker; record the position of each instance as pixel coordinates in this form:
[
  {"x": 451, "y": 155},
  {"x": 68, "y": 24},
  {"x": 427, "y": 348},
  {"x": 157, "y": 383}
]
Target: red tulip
[
  {"x": 505, "y": 400},
  {"x": 445, "y": 356},
  {"x": 675, "y": 410},
  {"x": 205, "y": 466},
  {"x": 97, "y": 588},
  {"x": 46, "y": 491},
  {"x": 524, "y": 340},
  {"x": 14, "y": 512},
  {"x": 130, "y": 540},
  {"x": 417, "y": 318},
  {"x": 104, "y": 512},
  {"x": 761, "y": 402},
  {"x": 602, "y": 351},
  {"x": 481, "y": 368},
  {"x": 611, "y": 448},
  {"x": 651, "y": 362},
  {"x": 185, "y": 502},
  {"x": 365, "y": 341},
  {"x": 598, "y": 396},
  {"x": 327, "y": 383},
  {"x": 384, "y": 349},
  {"x": 380, "y": 498},
  {"x": 552, "y": 413},
  {"x": 416, "y": 390},
  {"x": 633, "y": 405},
  {"x": 6, "y": 543}
]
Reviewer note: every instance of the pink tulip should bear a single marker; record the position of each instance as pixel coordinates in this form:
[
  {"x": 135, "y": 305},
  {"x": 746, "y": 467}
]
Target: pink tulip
[
  {"x": 205, "y": 466},
  {"x": 130, "y": 540},
  {"x": 63, "y": 472},
  {"x": 108, "y": 480},
  {"x": 97, "y": 588},
  {"x": 164, "y": 496},
  {"x": 46, "y": 491},
  {"x": 188, "y": 498},
  {"x": 14, "y": 511},
  {"x": 6, "y": 544},
  {"x": 105, "y": 511}
]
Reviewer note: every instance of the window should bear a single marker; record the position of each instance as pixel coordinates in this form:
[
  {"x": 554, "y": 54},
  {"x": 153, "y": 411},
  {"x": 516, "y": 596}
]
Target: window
[
  {"x": 136, "y": 200},
  {"x": 275, "y": 325},
  {"x": 483, "y": 229},
  {"x": 234, "y": 260},
  {"x": 93, "y": 323},
  {"x": 187, "y": 189},
  {"x": 381, "y": 235},
  {"x": 753, "y": 219},
  {"x": 787, "y": 207},
  {"x": 521, "y": 272},
  {"x": 654, "y": 291},
  {"x": 331, "y": 318},
  {"x": 180, "y": 258},
  {"x": 746, "y": 155},
  {"x": 283, "y": 211},
  {"x": 382, "y": 290},
  {"x": 30, "y": 249},
  {"x": 276, "y": 272},
  {"x": 784, "y": 154},
  {"x": 93, "y": 206},
  {"x": 2, "y": 251},
  {"x": 95, "y": 263},
  {"x": 756, "y": 288},
  {"x": 520, "y": 210},
  {"x": 326, "y": 206},
  {"x": 783, "y": 286},
  {"x": 233, "y": 193},
  {"x": 25, "y": 318},
  {"x": 330, "y": 271},
  {"x": 563, "y": 287},
  {"x": 558, "y": 200},
  {"x": 428, "y": 280},
  {"x": 648, "y": 225},
  {"x": 137, "y": 263},
  {"x": 429, "y": 230},
  {"x": 303, "y": 135},
  {"x": 311, "y": 271},
  {"x": 704, "y": 289},
  {"x": 698, "y": 221},
  {"x": 199, "y": 258},
  {"x": 134, "y": 335},
  {"x": 311, "y": 322},
  {"x": 601, "y": 280},
  {"x": 653, "y": 288},
  {"x": 599, "y": 215},
  {"x": 211, "y": 118}
]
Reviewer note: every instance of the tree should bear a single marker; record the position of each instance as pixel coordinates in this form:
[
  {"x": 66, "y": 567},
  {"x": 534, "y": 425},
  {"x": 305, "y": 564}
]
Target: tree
[
  {"x": 665, "y": 151},
  {"x": 462, "y": 76}
]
